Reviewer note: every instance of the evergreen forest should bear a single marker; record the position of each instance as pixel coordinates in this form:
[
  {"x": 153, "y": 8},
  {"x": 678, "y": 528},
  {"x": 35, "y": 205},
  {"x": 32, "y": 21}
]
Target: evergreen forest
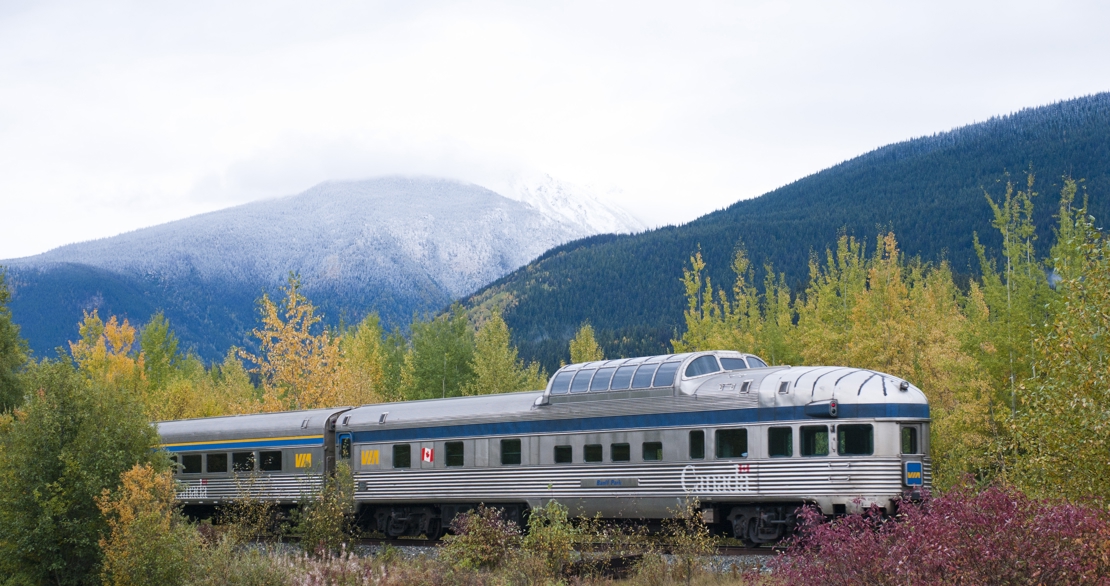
[{"x": 932, "y": 192}]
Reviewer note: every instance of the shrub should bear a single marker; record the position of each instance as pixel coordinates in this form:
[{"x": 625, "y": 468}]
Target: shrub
[
  {"x": 148, "y": 542},
  {"x": 689, "y": 536},
  {"x": 483, "y": 539},
  {"x": 248, "y": 518},
  {"x": 226, "y": 564},
  {"x": 324, "y": 522},
  {"x": 997, "y": 536},
  {"x": 551, "y": 537}
]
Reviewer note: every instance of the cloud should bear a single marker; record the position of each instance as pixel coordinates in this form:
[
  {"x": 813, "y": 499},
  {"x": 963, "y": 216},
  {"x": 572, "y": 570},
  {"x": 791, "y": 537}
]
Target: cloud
[{"x": 115, "y": 115}]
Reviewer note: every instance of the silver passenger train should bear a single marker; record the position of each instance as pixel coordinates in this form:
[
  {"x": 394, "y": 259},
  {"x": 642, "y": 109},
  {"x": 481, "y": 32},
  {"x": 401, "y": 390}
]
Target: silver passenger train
[{"x": 623, "y": 439}]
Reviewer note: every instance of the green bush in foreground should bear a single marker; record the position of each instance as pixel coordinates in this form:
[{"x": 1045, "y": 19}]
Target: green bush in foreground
[{"x": 69, "y": 442}]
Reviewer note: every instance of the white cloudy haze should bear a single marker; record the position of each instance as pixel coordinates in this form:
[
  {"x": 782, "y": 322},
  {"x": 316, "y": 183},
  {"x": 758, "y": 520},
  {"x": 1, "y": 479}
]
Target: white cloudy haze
[{"x": 119, "y": 115}]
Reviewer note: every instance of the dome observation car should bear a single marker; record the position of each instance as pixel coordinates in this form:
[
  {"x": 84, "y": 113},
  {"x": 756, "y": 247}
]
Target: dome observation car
[{"x": 646, "y": 376}]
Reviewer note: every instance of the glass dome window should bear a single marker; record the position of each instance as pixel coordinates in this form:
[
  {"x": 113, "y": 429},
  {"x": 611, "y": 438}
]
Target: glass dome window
[
  {"x": 733, "y": 363},
  {"x": 561, "y": 384},
  {"x": 756, "y": 362},
  {"x": 601, "y": 379},
  {"x": 622, "y": 379},
  {"x": 664, "y": 377},
  {"x": 702, "y": 365},
  {"x": 581, "y": 382},
  {"x": 643, "y": 377}
]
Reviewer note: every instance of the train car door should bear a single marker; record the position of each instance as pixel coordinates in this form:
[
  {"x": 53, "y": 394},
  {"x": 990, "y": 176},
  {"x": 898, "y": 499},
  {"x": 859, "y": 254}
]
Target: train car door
[
  {"x": 343, "y": 448},
  {"x": 330, "y": 443},
  {"x": 911, "y": 445}
]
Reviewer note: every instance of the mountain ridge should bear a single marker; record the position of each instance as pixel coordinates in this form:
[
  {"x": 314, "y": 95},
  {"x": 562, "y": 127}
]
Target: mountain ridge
[{"x": 394, "y": 244}]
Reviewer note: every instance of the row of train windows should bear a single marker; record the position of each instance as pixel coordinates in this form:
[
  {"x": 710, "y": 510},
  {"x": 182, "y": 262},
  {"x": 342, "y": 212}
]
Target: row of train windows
[
  {"x": 643, "y": 376},
  {"x": 852, "y": 440},
  {"x": 217, "y": 462}
]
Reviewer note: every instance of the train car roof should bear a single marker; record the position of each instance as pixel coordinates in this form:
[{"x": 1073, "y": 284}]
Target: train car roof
[
  {"x": 420, "y": 412},
  {"x": 285, "y": 424}
]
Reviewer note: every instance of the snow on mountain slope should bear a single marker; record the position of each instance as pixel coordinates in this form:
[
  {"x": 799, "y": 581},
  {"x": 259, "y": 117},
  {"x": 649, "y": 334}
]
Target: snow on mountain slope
[
  {"x": 396, "y": 245},
  {"x": 573, "y": 205},
  {"x": 358, "y": 233}
]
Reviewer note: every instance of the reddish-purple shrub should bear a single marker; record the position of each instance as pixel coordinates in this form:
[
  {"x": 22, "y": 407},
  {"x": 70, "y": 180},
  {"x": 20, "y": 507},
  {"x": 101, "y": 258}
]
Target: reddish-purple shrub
[{"x": 996, "y": 536}]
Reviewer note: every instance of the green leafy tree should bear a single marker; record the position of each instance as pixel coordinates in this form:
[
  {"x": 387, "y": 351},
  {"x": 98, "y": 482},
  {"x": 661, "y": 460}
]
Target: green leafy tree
[
  {"x": 584, "y": 346},
  {"x": 1016, "y": 297},
  {"x": 160, "y": 350},
  {"x": 71, "y": 440},
  {"x": 1061, "y": 432},
  {"x": 13, "y": 352},
  {"x": 440, "y": 360},
  {"x": 496, "y": 366},
  {"x": 364, "y": 361},
  {"x": 394, "y": 349}
]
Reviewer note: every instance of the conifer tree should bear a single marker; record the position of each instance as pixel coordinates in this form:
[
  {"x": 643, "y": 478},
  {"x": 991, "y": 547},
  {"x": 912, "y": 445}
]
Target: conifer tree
[
  {"x": 584, "y": 347},
  {"x": 13, "y": 353}
]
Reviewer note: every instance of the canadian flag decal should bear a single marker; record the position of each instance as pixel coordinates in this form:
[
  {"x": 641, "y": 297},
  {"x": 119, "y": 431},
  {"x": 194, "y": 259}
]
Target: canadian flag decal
[{"x": 426, "y": 454}]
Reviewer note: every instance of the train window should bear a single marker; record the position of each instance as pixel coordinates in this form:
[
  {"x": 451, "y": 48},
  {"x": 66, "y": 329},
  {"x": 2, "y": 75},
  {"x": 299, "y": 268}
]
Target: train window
[
  {"x": 665, "y": 376},
  {"x": 732, "y": 443},
  {"x": 653, "y": 451},
  {"x": 561, "y": 384},
  {"x": 176, "y": 463},
  {"x": 402, "y": 456},
  {"x": 620, "y": 452},
  {"x": 702, "y": 365},
  {"x": 755, "y": 362},
  {"x": 592, "y": 453},
  {"x": 780, "y": 442},
  {"x": 510, "y": 452},
  {"x": 815, "y": 440},
  {"x": 601, "y": 379},
  {"x": 345, "y": 446},
  {"x": 216, "y": 462},
  {"x": 454, "y": 453},
  {"x": 697, "y": 445},
  {"x": 643, "y": 377},
  {"x": 564, "y": 454},
  {"x": 622, "y": 379},
  {"x": 242, "y": 461},
  {"x": 190, "y": 464},
  {"x": 581, "y": 382},
  {"x": 269, "y": 461},
  {"x": 855, "y": 440},
  {"x": 733, "y": 364},
  {"x": 909, "y": 440}
]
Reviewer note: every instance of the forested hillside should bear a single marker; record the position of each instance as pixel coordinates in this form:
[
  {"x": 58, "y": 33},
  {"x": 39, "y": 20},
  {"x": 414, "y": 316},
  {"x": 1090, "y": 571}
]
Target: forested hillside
[{"x": 929, "y": 191}]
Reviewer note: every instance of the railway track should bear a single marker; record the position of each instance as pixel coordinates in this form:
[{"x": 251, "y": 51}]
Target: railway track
[{"x": 724, "y": 550}]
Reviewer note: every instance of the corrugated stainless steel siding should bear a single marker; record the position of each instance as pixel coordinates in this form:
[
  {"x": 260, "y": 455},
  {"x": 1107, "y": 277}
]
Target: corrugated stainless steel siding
[
  {"x": 762, "y": 480},
  {"x": 286, "y": 488}
]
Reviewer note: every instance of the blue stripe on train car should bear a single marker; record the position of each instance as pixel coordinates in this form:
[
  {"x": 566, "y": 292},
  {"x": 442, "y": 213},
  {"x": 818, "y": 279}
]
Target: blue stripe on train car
[{"x": 618, "y": 422}]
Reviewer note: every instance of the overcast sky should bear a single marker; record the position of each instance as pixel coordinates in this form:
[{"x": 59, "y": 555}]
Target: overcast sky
[{"x": 117, "y": 115}]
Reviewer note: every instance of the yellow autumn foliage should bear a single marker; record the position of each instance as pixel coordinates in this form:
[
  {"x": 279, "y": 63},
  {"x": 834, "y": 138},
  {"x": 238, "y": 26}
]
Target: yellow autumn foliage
[{"x": 148, "y": 542}]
